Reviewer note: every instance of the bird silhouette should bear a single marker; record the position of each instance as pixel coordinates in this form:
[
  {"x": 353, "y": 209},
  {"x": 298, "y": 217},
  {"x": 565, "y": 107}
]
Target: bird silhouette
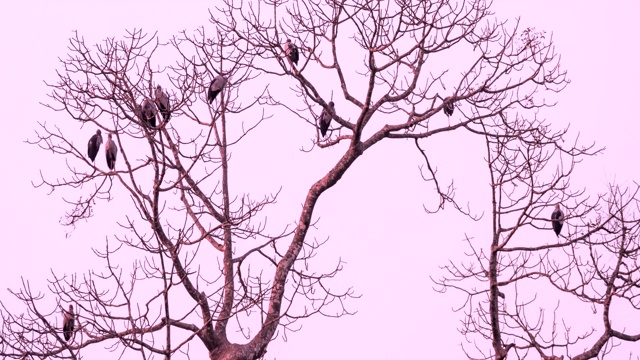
[
  {"x": 162, "y": 100},
  {"x": 291, "y": 50},
  {"x": 111, "y": 150},
  {"x": 216, "y": 86},
  {"x": 557, "y": 220},
  {"x": 448, "y": 107},
  {"x": 94, "y": 145},
  {"x": 149, "y": 112},
  {"x": 325, "y": 119},
  {"x": 68, "y": 323}
]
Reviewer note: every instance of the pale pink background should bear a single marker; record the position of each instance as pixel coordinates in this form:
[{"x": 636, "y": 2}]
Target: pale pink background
[{"x": 390, "y": 245}]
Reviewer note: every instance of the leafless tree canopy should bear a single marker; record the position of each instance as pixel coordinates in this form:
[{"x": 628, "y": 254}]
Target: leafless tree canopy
[
  {"x": 208, "y": 263},
  {"x": 594, "y": 260}
]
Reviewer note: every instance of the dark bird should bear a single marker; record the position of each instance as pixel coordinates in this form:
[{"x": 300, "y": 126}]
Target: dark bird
[
  {"x": 291, "y": 50},
  {"x": 149, "y": 112},
  {"x": 162, "y": 100},
  {"x": 325, "y": 119},
  {"x": 448, "y": 107},
  {"x": 68, "y": 323},
  {"x": 557, "y": 220},
  {"x": 216, "y": 86},
  {"x": 111, "y": 150},
  {"x": 94, "y": 145}
]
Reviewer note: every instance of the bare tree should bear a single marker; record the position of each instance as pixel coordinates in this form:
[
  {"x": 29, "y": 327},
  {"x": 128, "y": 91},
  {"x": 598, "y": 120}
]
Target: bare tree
[
  {"x": 383, "y": 64},
  {"x": 522, "y": 284}
]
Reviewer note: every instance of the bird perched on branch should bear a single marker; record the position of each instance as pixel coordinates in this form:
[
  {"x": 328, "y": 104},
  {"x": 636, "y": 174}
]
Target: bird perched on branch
[
  {"x": 291, "y": 50},
  {"x": 111, "y": 150},
  {"x": 68, "y": 323},
  {"x": 149, "y": 112},
  {"x": 162, "y": 100},
  {"x": 94, "y": 145},
  {"x": 216, "y": 86},
  {"x": 557, "y": 220},
  {"x": 325, "y": 119},
  {"x": 448, "y": 107}
]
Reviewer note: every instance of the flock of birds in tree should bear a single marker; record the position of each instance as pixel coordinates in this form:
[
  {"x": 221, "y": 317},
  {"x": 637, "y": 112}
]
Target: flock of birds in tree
[
  {"x": 148, "y": 111},
  {"x": 448, "y": 106},
  {"x": 111, "y": 150}
]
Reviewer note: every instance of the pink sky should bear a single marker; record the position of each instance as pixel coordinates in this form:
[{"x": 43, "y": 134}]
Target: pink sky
[{"x": 389, "y": 244}]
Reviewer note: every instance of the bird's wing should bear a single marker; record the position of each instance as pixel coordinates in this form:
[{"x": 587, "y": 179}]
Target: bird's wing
[{"x": 323, "y": 114}]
